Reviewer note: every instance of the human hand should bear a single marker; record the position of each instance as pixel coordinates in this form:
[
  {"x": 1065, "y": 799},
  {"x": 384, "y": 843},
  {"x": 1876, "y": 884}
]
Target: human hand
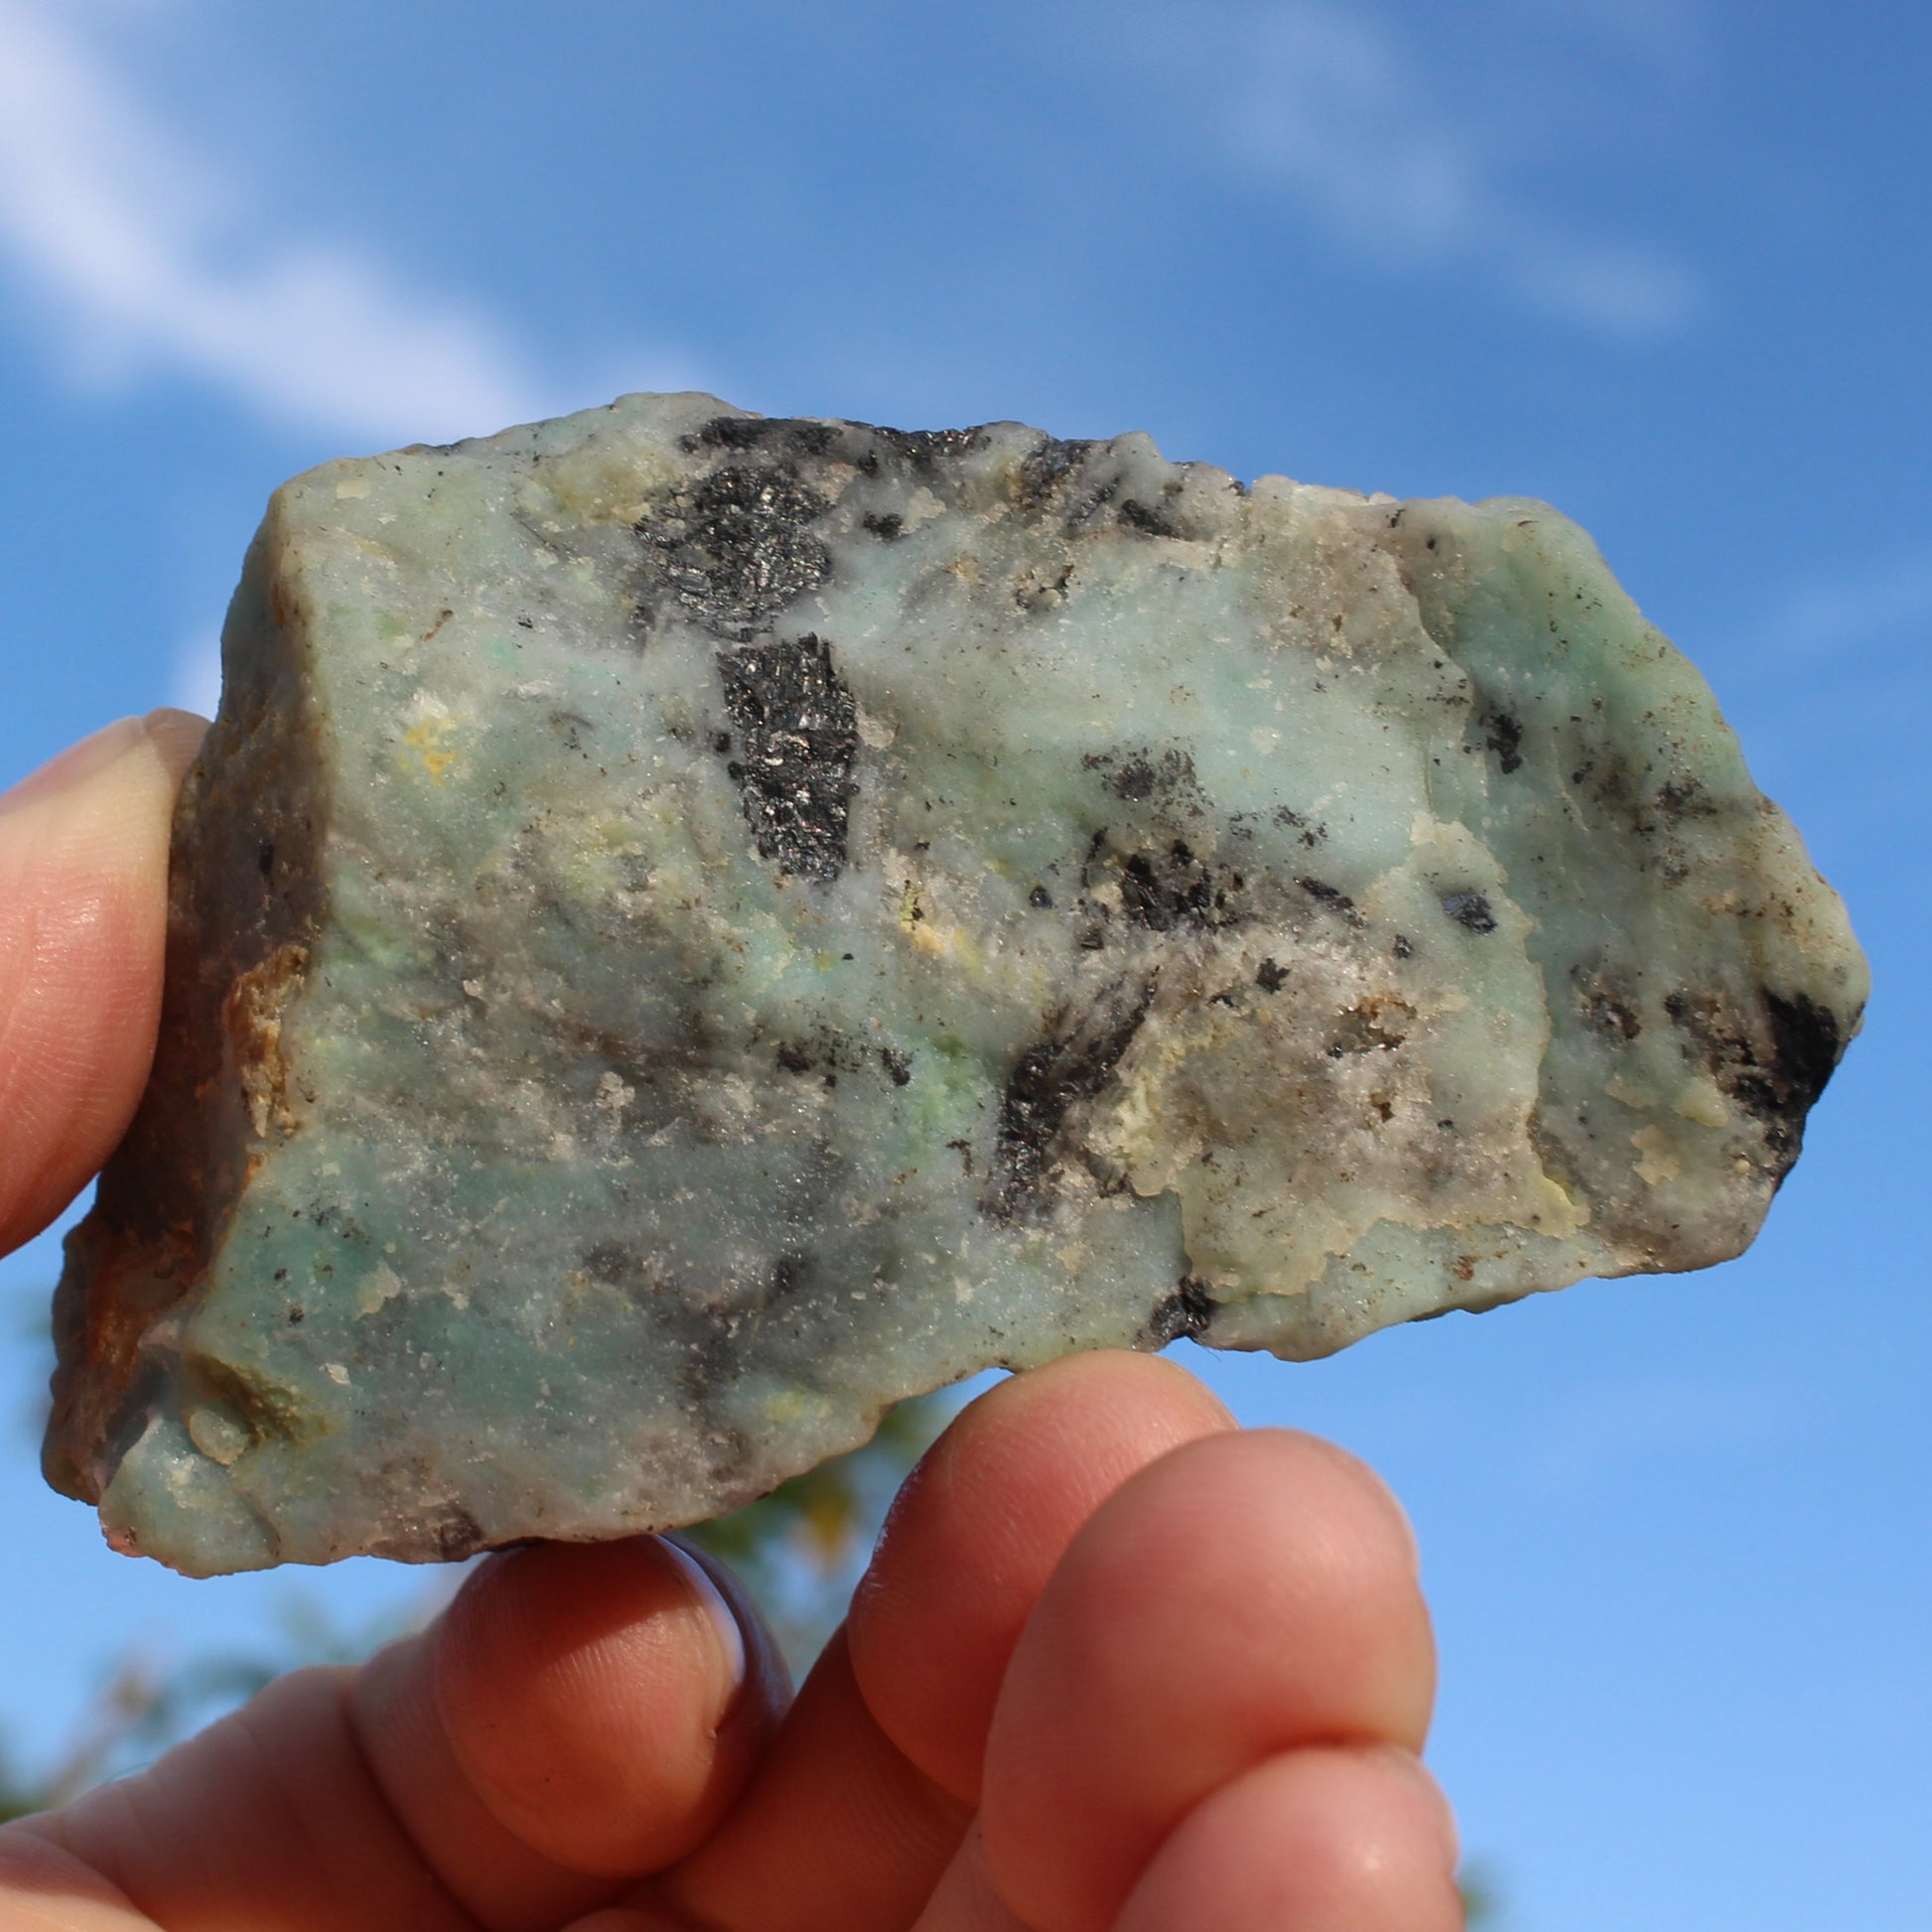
[{"x": 1115, "y": 1664}]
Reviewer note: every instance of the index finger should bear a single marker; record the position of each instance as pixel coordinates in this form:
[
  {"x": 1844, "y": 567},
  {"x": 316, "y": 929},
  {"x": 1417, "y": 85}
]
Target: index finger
[{"x": 84, "y": 911}]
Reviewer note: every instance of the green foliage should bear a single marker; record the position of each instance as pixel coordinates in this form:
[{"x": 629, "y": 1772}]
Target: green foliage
[
  {"x": 147, "y": 1706},
  {"x": 1481, "y": 1901},
  {"x": 17, "y": 1798}
]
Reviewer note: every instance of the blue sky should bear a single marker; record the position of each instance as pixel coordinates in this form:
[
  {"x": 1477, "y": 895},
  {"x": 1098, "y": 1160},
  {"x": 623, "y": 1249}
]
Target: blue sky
[{"x": 1653, "y": 260}]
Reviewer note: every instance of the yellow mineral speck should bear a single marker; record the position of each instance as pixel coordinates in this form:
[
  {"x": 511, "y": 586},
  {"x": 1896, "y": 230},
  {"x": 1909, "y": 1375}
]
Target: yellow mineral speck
[
  {"x": 352, "y": 486},
  {"x": 1630, "y": 1093},
  {"x": 1701, "y": 1102},
  {"x": 1659, "y": 1163},
  {"x": 217, "y": 1434},
  {"x": 1563, "y": 1214},
  {"x": 428, "y": 740},
  {"x": 918, "y": 925}
]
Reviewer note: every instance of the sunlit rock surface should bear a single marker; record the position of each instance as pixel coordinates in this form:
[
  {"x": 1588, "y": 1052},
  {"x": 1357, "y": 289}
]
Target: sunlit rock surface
[{"x": 689, "y": 928}]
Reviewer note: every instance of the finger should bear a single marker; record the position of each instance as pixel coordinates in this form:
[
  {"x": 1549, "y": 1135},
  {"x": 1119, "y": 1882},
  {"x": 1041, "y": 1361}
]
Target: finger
[
  {"x": 876, "y": 1770},
  {"x": 632, "y": 1918},
  {"x": 268, "y": 1820},
  {"x": 1246, "y": 1595},
  {"x": 1319, "y": 1840},
  {"x": 582, "y": 1715},
  {"x": 504, "y": 1883},
  {"x": 975, "y": 1534},
  {"x": 966, "y": 1899},
  {"x": 574, "y": 1708},
  {"x": 83, "y": 872},
  {"x": 839, "y": 1834},
  {"x": 45, "y": 1889}
]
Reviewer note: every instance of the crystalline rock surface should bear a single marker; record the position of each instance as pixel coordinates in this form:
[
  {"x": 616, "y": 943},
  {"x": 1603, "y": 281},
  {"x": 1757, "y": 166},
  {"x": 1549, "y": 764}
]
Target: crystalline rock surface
[{"x": 690, "y": 927}]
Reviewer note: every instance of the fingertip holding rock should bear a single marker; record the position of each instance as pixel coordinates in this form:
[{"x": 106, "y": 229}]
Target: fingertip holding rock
[
  {"x": 173, "y": 737},
  {"x": 83, "y": 868},
  {"x": 601, "y": 1700},
  {"x": 979, "y": 1528},
  {"x": 1273, "y": 1581},
  {"x": 176, "y": 736},
  {"x": 74, "y": 766}
]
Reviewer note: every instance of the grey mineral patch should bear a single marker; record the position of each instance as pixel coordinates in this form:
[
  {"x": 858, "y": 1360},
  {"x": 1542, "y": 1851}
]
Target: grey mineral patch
[{"x": 689, "y": 928}]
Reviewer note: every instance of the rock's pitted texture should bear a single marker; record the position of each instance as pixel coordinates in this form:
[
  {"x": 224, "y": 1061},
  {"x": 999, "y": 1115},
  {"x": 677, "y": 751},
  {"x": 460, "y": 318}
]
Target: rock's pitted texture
[{"x": 690, "y": 927}]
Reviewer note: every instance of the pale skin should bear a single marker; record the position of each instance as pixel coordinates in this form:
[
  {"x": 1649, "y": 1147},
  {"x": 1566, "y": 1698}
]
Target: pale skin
[{"x": 1117, "y": 1665}]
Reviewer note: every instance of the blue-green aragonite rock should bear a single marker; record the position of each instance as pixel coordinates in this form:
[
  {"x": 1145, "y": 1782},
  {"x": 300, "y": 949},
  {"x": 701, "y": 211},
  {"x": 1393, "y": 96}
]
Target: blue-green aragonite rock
[{"x": 689, "y": 928}]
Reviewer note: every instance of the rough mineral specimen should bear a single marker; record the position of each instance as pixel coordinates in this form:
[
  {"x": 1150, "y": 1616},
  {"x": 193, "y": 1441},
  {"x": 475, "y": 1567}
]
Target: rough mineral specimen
[{"x": 691, "y": 928}]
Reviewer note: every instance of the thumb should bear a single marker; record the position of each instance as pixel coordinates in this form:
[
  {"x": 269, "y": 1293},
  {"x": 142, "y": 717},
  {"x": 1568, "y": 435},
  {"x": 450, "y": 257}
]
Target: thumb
[{"x": 83, "y": 914}]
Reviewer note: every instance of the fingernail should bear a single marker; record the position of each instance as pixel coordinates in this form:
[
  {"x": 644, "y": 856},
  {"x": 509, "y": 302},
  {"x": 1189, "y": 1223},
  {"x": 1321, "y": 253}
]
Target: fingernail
[
  {"x": 723, "y": 1624},
  {"x": 75, "y": 765},
  {"x": 177, "y": 737}
]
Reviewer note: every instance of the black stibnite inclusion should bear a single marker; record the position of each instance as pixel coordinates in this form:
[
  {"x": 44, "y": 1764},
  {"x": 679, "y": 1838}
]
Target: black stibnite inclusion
[
  {"x": 1505, "y": 735},
  {"x": 1073, "y": 1064},
  {"x": 798, "y": 729},
  {"x": 737, "y": 547},
  {"x": 1470, "y": 910},
  {"x": 1188, "y": 1310}
]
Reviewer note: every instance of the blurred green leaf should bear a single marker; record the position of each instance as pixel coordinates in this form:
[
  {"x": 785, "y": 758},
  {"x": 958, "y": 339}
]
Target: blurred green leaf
[
  {"x": 803, "y": 1548},
  {"x": 1481, "y": 1900},
  {"x": 17, "y": 1798}
]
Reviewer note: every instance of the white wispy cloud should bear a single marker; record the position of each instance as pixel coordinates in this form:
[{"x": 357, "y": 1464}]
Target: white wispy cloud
[
  {"x": 196, "y": 681},
  {"x": 139, "y": 259},
  {"x": 1838, "y": 615},
  {"x": 1335, "y": 105}
]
